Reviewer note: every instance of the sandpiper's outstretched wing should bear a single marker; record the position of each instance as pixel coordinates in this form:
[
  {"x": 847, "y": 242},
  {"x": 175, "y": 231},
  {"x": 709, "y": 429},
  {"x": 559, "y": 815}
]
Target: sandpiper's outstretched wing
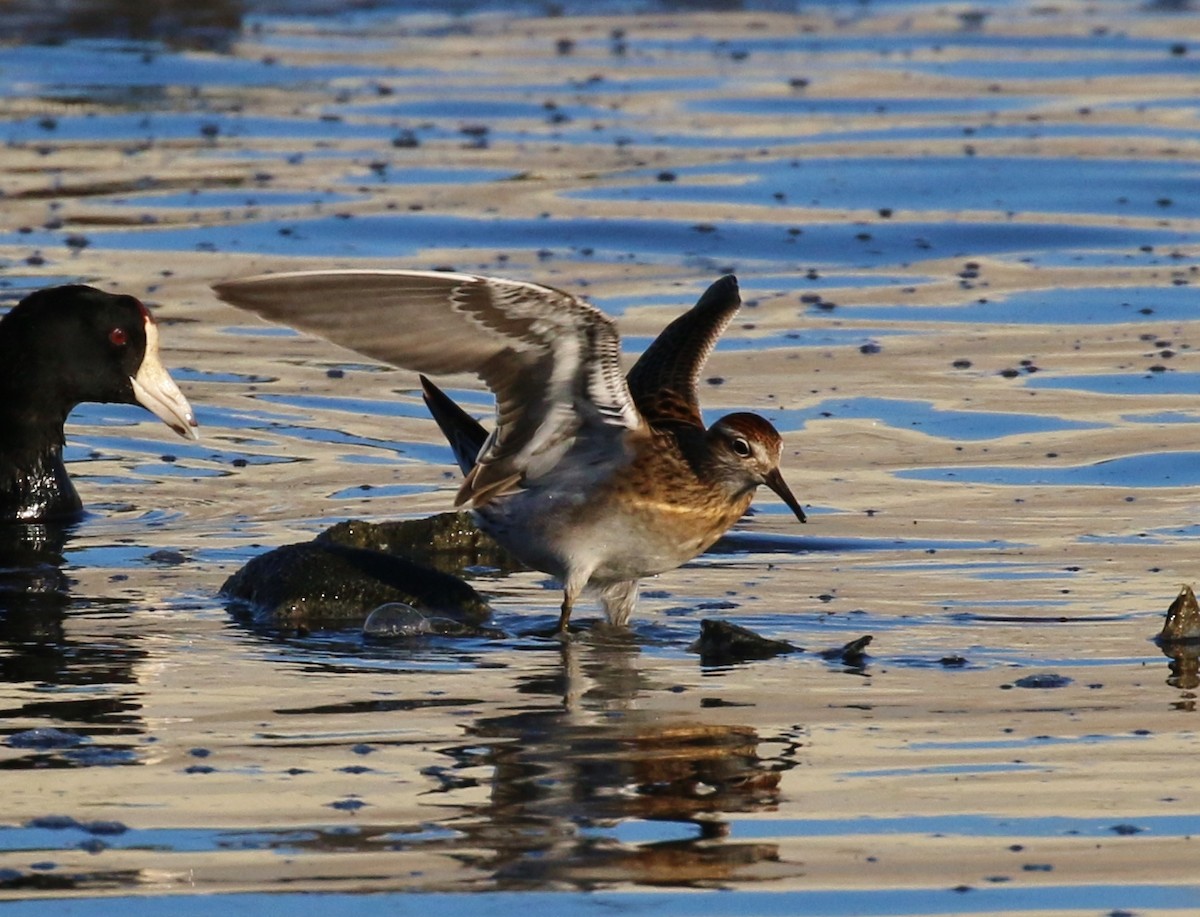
[
  {"x": 665, "y": 381},
  {"x": 552, "y": 360}
]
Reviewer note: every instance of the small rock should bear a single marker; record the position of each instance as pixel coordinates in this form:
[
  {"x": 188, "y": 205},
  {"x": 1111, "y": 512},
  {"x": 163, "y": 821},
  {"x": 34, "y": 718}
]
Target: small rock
[
  {"x": 1043, "y": 680},
  {"x": 852, "y": 654},
  {"x": 722, "y": 643},
  {"x": 1183, "y": 618},
  {"x": 167, "y": 557},
  {"x": 104, "y": 828},
  {"x": 52, "y": 822}
]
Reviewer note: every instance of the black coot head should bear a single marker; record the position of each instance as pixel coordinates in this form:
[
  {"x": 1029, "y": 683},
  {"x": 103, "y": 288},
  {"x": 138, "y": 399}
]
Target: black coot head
[
  {"x": 68, "y": 344},
  {"x": 76, "y": 343},
  {"x": 58, "y": 347}
]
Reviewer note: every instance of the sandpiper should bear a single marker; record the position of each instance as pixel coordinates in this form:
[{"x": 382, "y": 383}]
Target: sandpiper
[{"x": 597, "y": 478}]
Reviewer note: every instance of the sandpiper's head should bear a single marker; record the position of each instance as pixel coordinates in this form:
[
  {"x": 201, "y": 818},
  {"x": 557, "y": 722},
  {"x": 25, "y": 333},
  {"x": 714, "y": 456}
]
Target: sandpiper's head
[{"x": 747, "y": 449}]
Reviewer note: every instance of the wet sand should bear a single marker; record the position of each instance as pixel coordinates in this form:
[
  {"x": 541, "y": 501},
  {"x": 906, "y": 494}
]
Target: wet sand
[{"x": 989, "y": 410}]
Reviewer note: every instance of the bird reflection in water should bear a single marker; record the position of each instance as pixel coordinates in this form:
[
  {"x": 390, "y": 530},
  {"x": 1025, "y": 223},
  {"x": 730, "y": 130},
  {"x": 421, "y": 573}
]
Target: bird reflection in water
[
  {"x": 34, "y": 591},
  {"x": 589, "y": 782},
  {"x": 568, "y": 772},
  {"x": 36, "y": 601},
  {"x": 212, "y": 25}
]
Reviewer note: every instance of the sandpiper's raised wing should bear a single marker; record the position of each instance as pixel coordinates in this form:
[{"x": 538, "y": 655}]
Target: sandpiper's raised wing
[
  {"x": 552, "y": 360},
  {"x": 665, "y": 381}
]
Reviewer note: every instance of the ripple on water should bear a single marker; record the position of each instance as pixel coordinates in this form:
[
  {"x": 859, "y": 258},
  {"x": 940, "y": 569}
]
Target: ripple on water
[
  {"x": 485, "y": 110},
  {"x": 1049, "y": 306},
  {"x": 381, "y": 491},
  {"x": 14, "y": 287},
  {"x": 230, "y": 377},
  {"x": 1145, "y": 382},
  {"x": 1155, "y": 60},
  {"x": 159, "y": 125},
  {"x": 399, "y": 173},
  {"x": 923, "y": 416},
  {"x": 1044, "y": 128},
  {"x": 979, "y": 183},
  {"x": 204, "y": 199},
  {"x": 799, "y": 106},
  {"x": 543, "y": 765},
  {"x": 111, "y": 71},
  {"x": 358, "y": 406},
  {"x": 852, "y": 902},
  {"x": 644, "y": 240},
  {"x": 905, "y": 45},
  {"x": 181, "y": 457},
  {"x": 1162, "y": 417},
  {"x": 1155, "y": 469}
]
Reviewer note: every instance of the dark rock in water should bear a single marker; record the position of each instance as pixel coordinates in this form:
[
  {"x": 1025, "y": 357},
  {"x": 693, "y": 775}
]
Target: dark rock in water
[
  {"x": 722, "y": 643},
  {"x": 1043, "y": 680},
  {"x": 1179, "y": 640},
  {"x": 853, "y": 654},
  {"x": 450, "y": 542},
  {"x": 1183, "y": 619},
  {"x": 320, "y": 583}
]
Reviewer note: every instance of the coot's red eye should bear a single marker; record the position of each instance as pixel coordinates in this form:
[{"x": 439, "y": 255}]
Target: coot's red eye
[{"x": 118, "y": 338}]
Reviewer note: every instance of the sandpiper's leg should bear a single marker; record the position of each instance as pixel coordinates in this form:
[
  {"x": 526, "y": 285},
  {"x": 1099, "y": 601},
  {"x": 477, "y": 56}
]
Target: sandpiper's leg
[
  {"x": 564, "y": 617},
  {"x": 573, "y": 585},
  {"x": 619, "y": 600}
]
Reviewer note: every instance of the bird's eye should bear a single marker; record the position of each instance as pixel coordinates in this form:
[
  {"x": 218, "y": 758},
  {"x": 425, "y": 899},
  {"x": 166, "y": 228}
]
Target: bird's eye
[
  {"x": 118, "y": 337},
  {"x": 741, "y": 447}
]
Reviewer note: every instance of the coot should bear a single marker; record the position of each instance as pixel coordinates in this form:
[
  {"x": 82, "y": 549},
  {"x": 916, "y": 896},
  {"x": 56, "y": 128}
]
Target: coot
[{"x": 61, "y": 346}]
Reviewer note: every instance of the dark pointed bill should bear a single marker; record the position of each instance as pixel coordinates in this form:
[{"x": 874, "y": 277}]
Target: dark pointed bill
[
  {"x": 157, "y": 392},
  {"x": 775, "y": 481}
]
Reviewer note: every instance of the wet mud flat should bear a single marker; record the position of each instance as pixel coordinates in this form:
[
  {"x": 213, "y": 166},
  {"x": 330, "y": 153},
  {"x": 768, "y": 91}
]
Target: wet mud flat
[{"x": 967, "y": 241}]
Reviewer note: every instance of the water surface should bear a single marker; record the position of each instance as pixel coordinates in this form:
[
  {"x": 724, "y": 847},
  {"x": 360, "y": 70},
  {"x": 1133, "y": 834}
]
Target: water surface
[{"x": 967, "y": 246}]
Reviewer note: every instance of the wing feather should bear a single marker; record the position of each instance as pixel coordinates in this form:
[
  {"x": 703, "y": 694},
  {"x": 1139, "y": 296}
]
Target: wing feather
[
  {"x": 665, "y": 381},
  {"x": 551, "y": 359}
]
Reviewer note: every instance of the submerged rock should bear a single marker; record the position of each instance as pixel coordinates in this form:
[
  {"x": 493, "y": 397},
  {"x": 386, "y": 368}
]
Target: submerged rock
[
  {"x": 1183, "y": 619},
  {"x": 321, "y": 583}
]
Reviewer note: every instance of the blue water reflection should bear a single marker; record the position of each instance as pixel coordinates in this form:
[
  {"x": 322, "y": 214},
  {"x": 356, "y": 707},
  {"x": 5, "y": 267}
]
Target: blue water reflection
[
  {"x": 1157, "y": 469},
  {"x": 1048, "y": 306},
  {"x": 886, "y": 243},
  {"x": 984, "y": 183}
]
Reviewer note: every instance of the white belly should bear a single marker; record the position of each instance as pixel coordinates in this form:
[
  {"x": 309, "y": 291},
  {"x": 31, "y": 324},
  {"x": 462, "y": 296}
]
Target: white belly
[{"x": 557, "y": 534}]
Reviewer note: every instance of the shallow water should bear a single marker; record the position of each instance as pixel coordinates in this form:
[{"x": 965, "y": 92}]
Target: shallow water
[{"x": 967, "y": 242}]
